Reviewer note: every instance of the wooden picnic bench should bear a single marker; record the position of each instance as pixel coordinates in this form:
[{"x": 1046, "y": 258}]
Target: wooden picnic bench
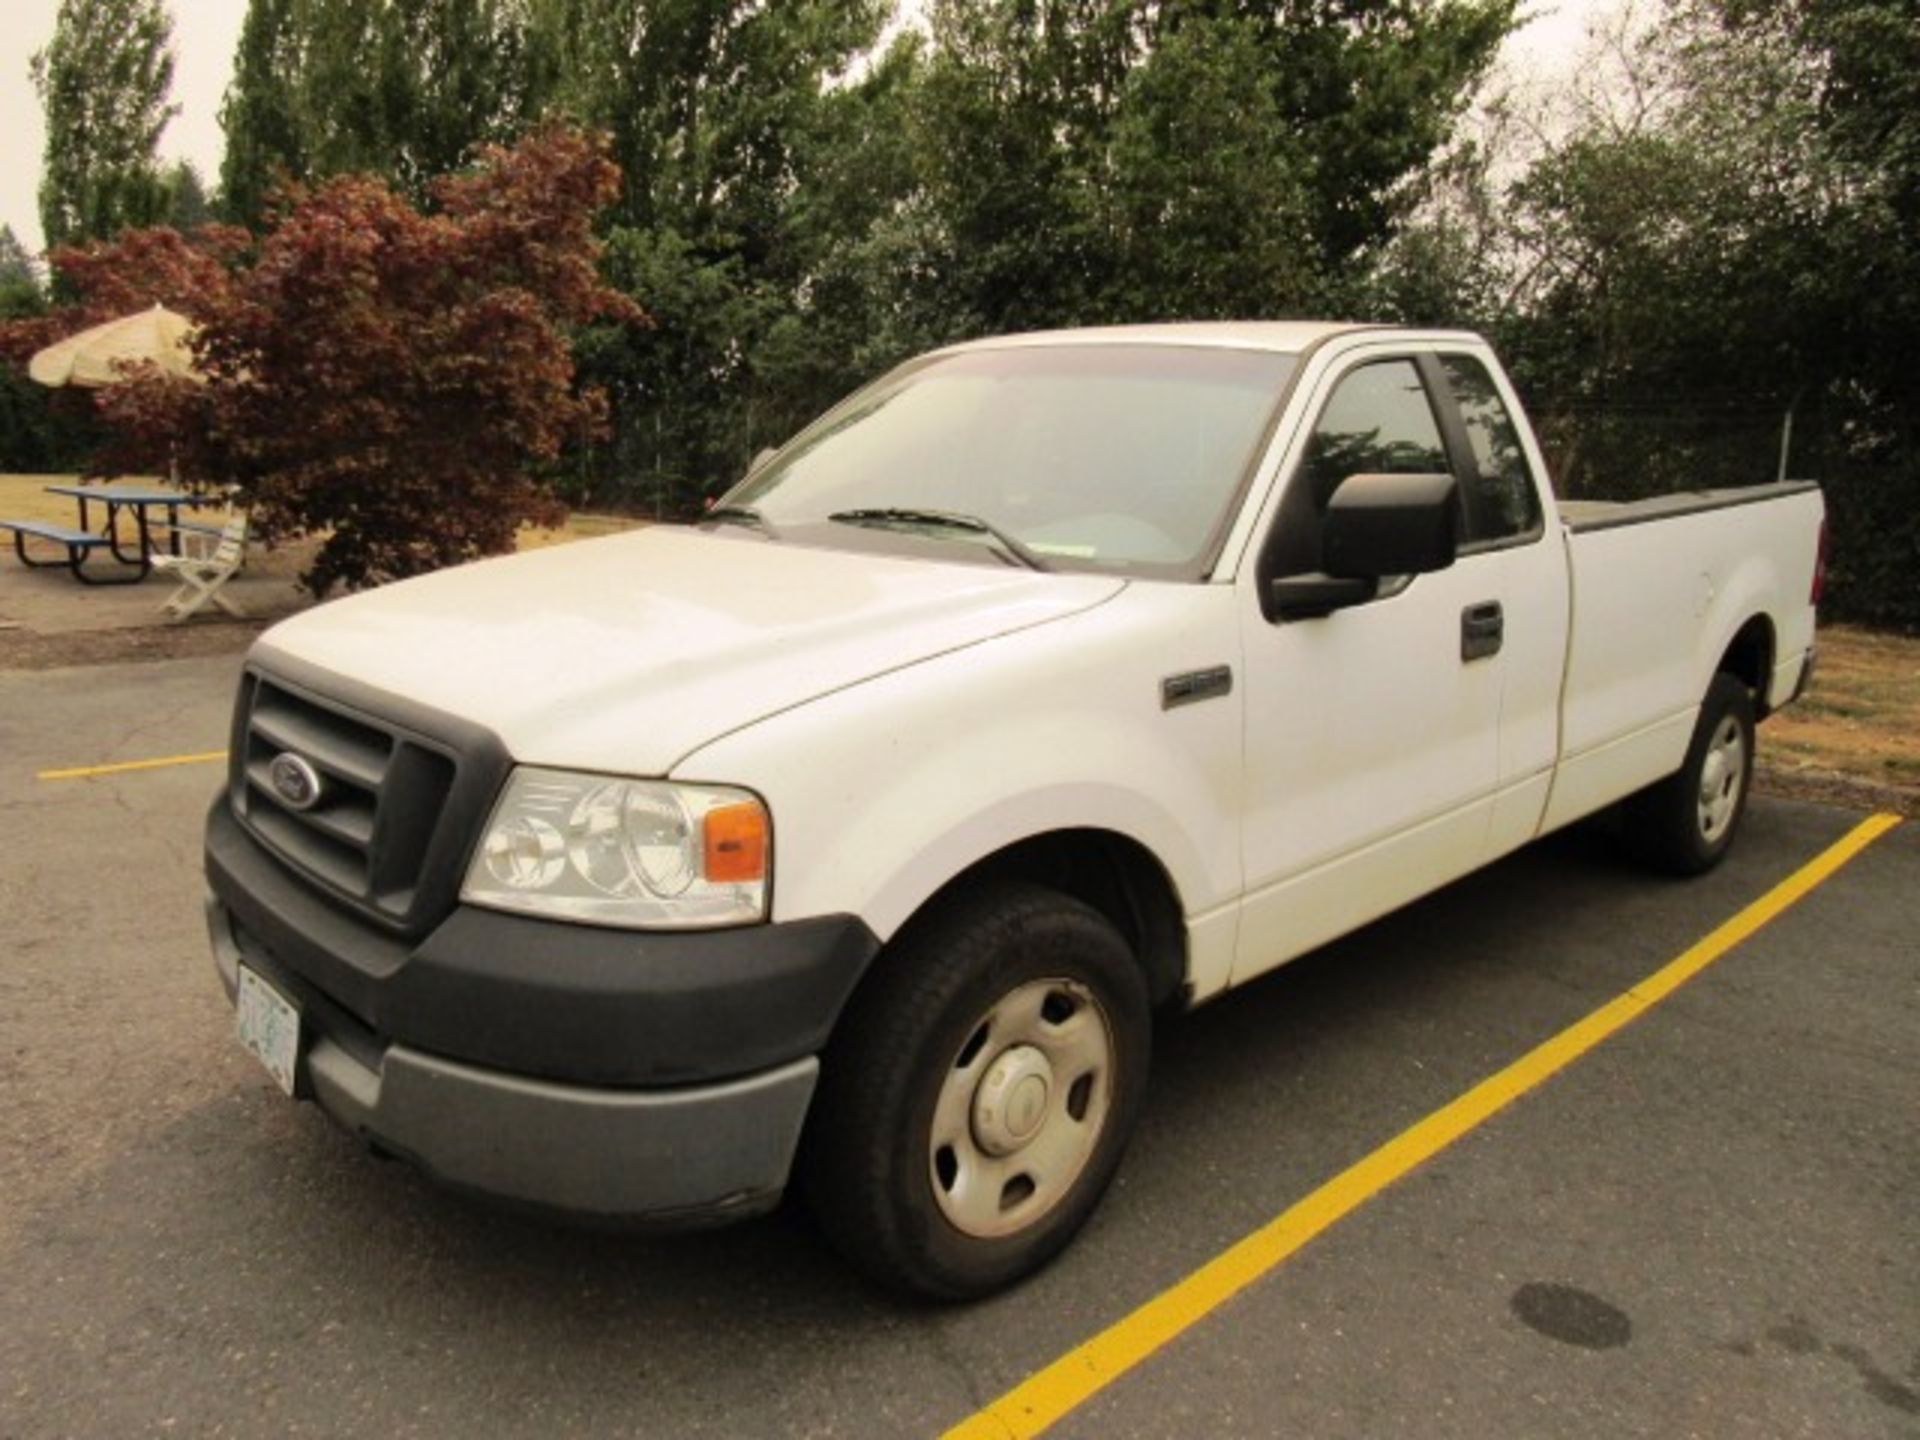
[{"x": 80, "y": 544}]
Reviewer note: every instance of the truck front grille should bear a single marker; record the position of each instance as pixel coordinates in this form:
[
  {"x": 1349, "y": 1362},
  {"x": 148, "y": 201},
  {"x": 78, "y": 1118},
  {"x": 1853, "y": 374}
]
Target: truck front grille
[{"x": 396, "y": 806}]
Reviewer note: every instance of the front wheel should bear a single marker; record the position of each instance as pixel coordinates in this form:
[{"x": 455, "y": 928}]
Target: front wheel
[
  {"x": 1686, "y": 823},
  {"x": 979, "y": 1092}
]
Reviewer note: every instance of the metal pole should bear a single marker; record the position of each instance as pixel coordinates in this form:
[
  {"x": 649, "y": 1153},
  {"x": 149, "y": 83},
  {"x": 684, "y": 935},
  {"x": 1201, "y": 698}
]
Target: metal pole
[{"x": 1786, "y": 433}]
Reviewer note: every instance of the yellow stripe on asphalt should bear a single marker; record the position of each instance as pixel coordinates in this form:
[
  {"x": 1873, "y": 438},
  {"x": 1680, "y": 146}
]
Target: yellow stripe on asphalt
[
  {"x": 1042, "y": 1399},
  {"x": 120, "y": 767}
]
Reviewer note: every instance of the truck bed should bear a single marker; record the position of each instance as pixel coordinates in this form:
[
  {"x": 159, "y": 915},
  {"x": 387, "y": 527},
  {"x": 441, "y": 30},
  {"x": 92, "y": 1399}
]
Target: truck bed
[
  {"x": 1656, "y": 605},
  {"x": 1586, "y": 515}
]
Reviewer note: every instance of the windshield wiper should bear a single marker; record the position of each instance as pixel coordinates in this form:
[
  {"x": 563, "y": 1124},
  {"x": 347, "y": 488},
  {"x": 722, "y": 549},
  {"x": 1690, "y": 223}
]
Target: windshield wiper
[
  {"x": 741, "y": 515},
  {"x": 945, "y": 520}
]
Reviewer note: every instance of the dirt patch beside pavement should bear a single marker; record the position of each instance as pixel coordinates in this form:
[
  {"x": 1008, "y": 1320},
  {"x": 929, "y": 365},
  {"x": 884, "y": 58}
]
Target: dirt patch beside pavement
[{"x": 1854, "y": 737}]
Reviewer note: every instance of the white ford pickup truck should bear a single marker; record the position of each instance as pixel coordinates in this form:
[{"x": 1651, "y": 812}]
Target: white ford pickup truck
[{"x": 854, "y": 835}]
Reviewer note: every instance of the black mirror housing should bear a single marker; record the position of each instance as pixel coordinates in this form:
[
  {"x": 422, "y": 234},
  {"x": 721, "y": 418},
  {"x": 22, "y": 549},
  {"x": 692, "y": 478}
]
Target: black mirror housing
[
  {"x": 1378, "y": 525},
  {"x": 1312, "y": 597}
]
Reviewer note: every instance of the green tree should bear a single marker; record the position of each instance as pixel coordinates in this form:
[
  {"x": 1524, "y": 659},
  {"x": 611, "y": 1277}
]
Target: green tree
[
  {"x": 20, "y": 292},
  {"x": 258, "y": 114},
  {"x": 1863, "y": 57},
  {"x": 1120, "y": 159},
  {"x": 721, "y": 113},
  {"x": 1864, "y": 400},
  {"x": 1717, "y": 263},
  {"x": 1212, "y": 198},
  {"x": 103, "y": 81},
  {"x": 403, "y": 89},
  {"x": 1077, "y": 161},
  {"x": 870, "y": 294},
  {"x": 1373, "y": 89},
  {"x": 26, "y": 422},
  {"x": 187, "y": 204}
]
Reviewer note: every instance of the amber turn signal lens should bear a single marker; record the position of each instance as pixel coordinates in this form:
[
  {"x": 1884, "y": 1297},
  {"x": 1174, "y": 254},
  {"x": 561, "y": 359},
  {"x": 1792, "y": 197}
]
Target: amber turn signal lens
[{"x": 736, "y": 844}]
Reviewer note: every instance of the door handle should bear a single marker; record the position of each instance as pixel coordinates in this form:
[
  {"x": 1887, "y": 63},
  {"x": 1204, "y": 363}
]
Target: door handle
[{"x": 1482, "y": 629}]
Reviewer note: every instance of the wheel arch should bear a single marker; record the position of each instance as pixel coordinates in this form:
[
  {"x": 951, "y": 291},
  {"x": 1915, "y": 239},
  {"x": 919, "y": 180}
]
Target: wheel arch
[
  {"x": 1749, "y": 658},
  {"x": 1113, "y": 873}
]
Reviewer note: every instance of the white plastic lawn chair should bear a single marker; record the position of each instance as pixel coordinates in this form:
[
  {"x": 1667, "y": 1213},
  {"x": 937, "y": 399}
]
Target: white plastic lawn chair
[{"x": 204, "y": 574}]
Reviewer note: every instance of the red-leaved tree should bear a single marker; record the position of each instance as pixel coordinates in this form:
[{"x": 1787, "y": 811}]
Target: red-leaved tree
[
  {"x": 188, "y": 273},
  {"x": 394, "y": 381}
]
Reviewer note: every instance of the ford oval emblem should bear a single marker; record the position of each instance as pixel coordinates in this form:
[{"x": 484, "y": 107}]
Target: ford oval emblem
[{"x": 295, "y": 781}]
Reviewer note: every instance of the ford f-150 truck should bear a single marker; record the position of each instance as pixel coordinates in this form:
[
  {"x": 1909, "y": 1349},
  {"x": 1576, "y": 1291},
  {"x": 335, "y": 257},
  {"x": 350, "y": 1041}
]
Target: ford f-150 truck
[{"x": 853, "y": 836}]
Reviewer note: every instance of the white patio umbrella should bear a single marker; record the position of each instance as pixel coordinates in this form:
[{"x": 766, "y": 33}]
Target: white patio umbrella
[{"x": 89, "y": 359}]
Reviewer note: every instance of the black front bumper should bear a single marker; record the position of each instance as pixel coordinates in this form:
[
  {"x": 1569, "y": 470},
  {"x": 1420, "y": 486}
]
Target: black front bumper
[{"x": 613, "y": 1072}]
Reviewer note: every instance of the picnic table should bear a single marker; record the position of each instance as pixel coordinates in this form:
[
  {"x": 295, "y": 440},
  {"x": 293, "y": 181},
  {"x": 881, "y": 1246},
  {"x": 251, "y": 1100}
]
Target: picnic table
[{"x": 82, "y": 541}]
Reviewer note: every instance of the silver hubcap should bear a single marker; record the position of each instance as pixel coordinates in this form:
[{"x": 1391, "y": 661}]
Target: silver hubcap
[
  {"x": 1723, "y": 774},
  {"x": 1021, "y": 1108}
]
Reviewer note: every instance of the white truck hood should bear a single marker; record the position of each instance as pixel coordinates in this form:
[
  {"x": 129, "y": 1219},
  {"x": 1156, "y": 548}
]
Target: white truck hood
[{"x": 626, "y": 654}]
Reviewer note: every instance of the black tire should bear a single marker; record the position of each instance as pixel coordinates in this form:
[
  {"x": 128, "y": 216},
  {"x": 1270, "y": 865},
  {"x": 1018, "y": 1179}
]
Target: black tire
[
  {"x": 1675, "y": 826},
  {"x": 928, "y": 1027}
]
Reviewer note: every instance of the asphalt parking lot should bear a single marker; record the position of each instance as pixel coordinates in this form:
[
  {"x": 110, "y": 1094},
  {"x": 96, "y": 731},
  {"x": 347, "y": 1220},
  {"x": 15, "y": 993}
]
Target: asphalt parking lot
[{"x": 1708, "y": 1225}]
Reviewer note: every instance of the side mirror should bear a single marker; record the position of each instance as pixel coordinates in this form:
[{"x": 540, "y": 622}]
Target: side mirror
[
  {"x": 1375, "y": 526},
  {"x": 1379, "y": 525},
  {"x": 767, "y": 452}
]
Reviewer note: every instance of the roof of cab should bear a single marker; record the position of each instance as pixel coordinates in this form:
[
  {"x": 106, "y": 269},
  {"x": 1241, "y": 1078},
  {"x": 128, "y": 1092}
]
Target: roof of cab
[
  {"x": 1285, "y": 336},
  {"x": 1290, "y": 336}
]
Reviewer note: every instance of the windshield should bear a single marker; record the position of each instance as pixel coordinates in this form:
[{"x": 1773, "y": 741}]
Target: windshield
[{"x": 1102, "y": 457}]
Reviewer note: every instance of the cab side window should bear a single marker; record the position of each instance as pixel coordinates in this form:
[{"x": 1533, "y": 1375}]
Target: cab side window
[
  {"x": 1377, "y": 421},
  {"x": 1501, "y": 501}
]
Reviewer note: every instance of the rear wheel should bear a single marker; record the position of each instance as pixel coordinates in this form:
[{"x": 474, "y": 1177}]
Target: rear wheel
[
  {"x": 975, "y": 1102},
  {"x": 1686, "y": 823}
]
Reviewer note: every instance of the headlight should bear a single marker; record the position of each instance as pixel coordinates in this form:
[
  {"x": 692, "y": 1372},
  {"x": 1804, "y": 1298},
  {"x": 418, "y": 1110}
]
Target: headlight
[{"x": 641, "y": 853}]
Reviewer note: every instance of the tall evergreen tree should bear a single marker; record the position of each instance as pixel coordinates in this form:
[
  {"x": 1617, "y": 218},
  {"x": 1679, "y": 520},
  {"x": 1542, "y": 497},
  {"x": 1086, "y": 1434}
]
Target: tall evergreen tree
[
  {"x": 404, "y": 89},
  {"x": 188, "y": 207},
  {"x": 104, "y": 80},
  {"x": 1035, "y": 162},
  {"x": 259, "y": 112},
  {"x": 18, "y": 278},
  {"x": 717, "y": 110},
  {"x": 1139, "y": 159},
  {"x": 707, "y": 100},
  {"x": 37, "y": 434}
]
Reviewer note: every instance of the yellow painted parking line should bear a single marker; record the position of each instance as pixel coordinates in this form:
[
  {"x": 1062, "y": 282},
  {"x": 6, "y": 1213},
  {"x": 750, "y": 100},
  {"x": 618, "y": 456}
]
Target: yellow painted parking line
[
  {"x": 120, "y": 767},
  {"x": 1043, "y": 1398}
]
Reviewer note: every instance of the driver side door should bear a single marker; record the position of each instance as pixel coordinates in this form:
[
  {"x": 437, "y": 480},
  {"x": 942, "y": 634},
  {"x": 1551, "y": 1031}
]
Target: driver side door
[{"x": 1372, "y": 743}]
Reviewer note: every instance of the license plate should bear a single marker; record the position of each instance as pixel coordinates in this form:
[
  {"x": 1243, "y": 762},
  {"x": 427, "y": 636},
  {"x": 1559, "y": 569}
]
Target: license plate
[{"x": 269, "y": 1026}]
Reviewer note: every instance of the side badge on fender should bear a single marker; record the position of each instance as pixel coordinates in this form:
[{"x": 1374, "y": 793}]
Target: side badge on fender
[{"x": 1193, "y": 685}]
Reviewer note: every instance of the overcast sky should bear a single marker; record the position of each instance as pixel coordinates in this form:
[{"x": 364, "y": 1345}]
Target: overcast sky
[
  {"x": 205, "y": 32},
  {"x": 204, "y": 35}
]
